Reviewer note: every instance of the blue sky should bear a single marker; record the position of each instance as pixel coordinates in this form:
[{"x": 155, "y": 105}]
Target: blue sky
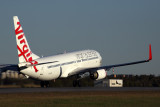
[{"x": 121, "y": 30}]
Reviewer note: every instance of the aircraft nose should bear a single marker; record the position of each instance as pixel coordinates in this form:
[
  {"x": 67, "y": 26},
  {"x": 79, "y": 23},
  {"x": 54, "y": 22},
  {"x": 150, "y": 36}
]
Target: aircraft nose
[{"x": 100, "y": 58}]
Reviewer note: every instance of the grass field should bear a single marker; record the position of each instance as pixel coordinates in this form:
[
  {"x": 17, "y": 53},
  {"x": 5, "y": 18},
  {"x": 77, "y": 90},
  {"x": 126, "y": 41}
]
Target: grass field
[{"x": 82, "y": 99}]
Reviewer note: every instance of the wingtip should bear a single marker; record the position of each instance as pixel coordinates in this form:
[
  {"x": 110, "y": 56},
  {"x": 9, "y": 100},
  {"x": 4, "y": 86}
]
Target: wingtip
[{"x": 150, "y": 52}]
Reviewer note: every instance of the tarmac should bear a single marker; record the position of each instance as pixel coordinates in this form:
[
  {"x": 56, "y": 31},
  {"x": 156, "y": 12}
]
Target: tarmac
[{"x": 77, "y": 89}]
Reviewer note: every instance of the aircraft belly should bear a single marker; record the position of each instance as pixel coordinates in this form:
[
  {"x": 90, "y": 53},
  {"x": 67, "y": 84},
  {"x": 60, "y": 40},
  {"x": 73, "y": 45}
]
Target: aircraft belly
[
  {"x": 50, "y": 74},
  {"x": 31, "y": 72}
]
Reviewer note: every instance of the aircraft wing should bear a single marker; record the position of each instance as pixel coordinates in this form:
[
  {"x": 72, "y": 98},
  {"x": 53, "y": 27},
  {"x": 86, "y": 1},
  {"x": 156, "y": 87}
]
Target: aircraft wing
[
  {"x": 11, "y": 67},
  {"x": 108, "y": 67},
  {"x": 125, "y": 64},
  {"x": 119, "y": 65}
]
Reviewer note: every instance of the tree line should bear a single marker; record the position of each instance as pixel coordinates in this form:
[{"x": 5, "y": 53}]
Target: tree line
[{"x": 128, "y": 81}]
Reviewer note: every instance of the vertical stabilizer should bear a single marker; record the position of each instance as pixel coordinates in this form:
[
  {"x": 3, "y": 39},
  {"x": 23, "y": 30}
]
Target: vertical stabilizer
[{"x": 24, "y": 52}]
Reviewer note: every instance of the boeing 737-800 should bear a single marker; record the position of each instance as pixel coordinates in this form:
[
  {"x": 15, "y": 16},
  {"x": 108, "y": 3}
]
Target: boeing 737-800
[{"x": 59, "y": 66}]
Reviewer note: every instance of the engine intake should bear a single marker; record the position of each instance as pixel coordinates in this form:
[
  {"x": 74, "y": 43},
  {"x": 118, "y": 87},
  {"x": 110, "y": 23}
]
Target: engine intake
[{"x": 99, "y": 74}]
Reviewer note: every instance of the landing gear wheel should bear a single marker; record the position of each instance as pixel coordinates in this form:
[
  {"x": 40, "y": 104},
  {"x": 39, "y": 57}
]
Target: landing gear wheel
[
  {"x": 47, "y": 84},
  {"x": 44, "y": 84},
  {"x": 79, "y": 83},
  {"x": 76, "y": 83}
]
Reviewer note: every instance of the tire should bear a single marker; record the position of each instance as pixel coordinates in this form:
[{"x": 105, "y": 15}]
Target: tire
[
  {"x": 42, "y": 84},
  {"x": 47, "y": 84},
  {"x": 79, "y": 83},
  {"x": 74, "y": 83}
]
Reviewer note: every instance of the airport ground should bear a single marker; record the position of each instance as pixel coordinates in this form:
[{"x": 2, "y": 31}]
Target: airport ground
[
  {"x": 83, "y": 97},
  {"x": 62, "y": 94}
]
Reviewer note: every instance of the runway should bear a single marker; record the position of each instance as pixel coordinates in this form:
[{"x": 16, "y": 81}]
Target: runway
[{"x": 72, "y": 89}]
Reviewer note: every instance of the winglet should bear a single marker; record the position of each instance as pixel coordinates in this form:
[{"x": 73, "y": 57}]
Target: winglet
[{"x": 150, "y": 53}]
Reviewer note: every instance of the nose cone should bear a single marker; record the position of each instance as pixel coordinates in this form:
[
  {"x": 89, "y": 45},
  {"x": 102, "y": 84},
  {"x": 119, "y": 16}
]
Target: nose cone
[{"x": 99, "y": 57}]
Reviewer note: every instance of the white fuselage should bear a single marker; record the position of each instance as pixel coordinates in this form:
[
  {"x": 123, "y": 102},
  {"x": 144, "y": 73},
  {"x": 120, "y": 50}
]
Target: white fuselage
[{"x": 64, "y": 65}]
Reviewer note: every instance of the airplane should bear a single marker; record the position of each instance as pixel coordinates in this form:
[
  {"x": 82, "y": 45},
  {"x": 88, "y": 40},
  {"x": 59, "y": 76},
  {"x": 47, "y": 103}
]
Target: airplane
[{"x": 78, "y": 63}]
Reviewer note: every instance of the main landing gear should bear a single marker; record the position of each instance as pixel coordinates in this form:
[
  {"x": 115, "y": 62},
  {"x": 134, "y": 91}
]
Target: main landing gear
[
  {"x": 76, "y": 83},
  {"x": 78, "y": 77},
  {"x": 44, "y": 84}
]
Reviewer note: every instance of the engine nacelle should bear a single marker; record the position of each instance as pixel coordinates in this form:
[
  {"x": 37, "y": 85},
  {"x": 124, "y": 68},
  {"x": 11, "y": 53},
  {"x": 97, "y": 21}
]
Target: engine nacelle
[{"x": 99, "y": 74}]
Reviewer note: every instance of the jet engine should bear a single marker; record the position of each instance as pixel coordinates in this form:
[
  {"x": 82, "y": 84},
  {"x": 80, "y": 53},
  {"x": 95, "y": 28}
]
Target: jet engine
[{"x": 99, "y": 74}]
